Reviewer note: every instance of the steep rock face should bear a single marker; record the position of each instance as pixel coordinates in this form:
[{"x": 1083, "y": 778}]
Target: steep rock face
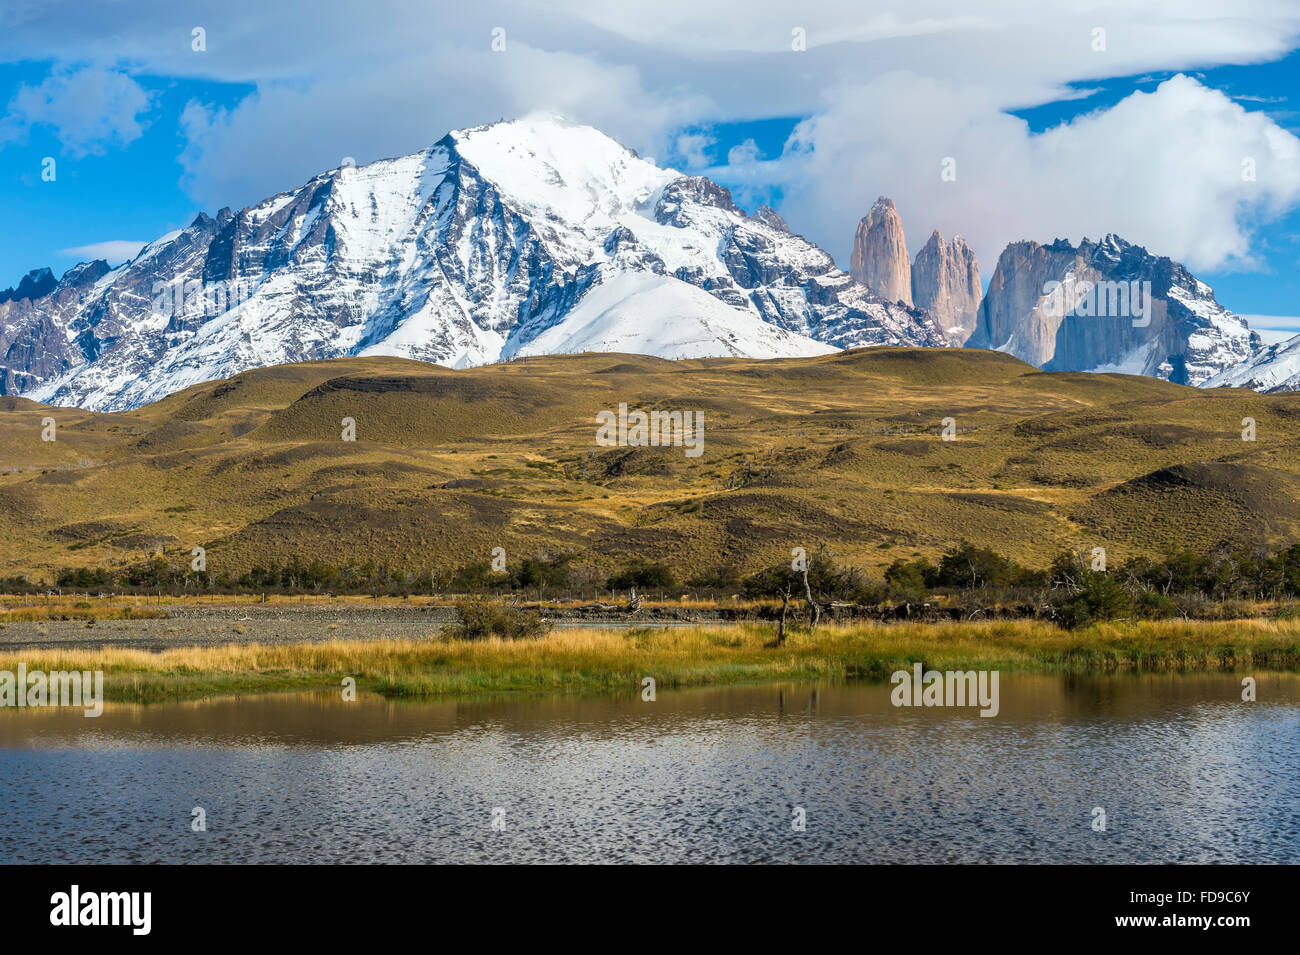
[
  {"x": 946, "y": 282},
  {"x": 1064, "y": 308},
  {"x": 879, "y": 259},
  {"x": 39, "y": 329},
  {"x": 35, "y": 284},
  {"x": 482, "y": 247}
]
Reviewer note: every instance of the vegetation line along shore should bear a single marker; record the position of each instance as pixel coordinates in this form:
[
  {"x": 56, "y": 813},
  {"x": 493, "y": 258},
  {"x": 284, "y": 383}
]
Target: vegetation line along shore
[{"x": 615, "y": 661}]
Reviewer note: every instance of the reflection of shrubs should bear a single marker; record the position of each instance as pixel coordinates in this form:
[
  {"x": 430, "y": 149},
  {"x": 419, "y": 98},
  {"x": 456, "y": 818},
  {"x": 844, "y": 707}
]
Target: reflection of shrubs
[{"x": 482, "y": 619}]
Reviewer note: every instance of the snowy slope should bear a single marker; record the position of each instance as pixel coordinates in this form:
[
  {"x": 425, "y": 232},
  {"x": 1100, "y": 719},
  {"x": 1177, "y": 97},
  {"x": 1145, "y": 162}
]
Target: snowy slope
[
  {"x": 660, "y": 315},
  {"x": 1273, "y": 368},
  {"x": 484, "y": 246}
]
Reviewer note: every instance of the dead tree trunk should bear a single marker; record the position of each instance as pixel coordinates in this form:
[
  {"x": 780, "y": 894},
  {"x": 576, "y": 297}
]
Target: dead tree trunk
[
  {"x": 780, "y": 627},
  {"x": 814, "y": 609}
]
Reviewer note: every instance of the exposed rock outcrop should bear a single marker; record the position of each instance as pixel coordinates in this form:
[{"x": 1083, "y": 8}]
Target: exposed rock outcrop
[
  {"x": 1272, "y": 369},
  {"x": 946, "y": 282},
  {"x": 35, "y": 284},
  {"x": 1108, "y": 306},
  {"x": 879, "y": 259},
  {"x": 770, "y": 217}
]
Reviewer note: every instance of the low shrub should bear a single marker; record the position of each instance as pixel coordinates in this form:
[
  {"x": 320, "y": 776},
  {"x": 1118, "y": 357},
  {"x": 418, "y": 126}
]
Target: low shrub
[{"x": 482, "y": 619}]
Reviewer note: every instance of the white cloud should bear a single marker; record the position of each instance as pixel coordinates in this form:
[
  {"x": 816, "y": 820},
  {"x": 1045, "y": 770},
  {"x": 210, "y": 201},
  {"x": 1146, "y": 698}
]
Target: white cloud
[
  {"x": 1274, "y": 328},
  {"x": 890, "y": 87},
  {"x": 88, "y": 108},
  {"x": 285, "y": 133},
  {"x": 1162, "y": 169},
  {"x": 113, "y": 251},
  {"x": 693, "y": 149},
  {"x": 743, "y": 154}
]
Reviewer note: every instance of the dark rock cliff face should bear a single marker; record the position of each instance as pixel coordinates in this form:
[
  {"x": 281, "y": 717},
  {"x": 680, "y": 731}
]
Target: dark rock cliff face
[
  {"x": 946, "y": 282},
  {"x": 1064, "y": 308},
  {"x": 35, "y": 284}
]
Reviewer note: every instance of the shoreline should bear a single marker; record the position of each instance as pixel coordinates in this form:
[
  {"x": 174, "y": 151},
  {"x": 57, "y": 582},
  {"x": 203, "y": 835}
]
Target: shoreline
[{"x": 589, "y": 660}]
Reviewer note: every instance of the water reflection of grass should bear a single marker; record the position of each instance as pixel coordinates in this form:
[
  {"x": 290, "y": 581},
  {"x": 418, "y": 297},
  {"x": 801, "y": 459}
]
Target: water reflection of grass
[{"x": 593, "y": 660}]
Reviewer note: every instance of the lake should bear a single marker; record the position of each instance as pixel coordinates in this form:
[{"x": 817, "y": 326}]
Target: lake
[{"x": 1183, "y": 769}]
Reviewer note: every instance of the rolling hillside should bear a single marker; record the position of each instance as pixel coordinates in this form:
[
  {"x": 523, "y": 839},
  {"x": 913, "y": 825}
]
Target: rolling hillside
[{"x": 841, "y": 449}]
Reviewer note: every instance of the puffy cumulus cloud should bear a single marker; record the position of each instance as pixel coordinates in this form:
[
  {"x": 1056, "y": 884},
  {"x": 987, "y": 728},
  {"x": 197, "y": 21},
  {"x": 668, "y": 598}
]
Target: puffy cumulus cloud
[
  {"x": 743, "y": 153},
  {"x": 692, "y": 148},
  {"x": 890, "y": 88},
  {"x": 284, "y": 133},
  {"x": 753, "y": 180},
  {"x": 88, "y": 109},
  {"x": 1170, "y": 169}
]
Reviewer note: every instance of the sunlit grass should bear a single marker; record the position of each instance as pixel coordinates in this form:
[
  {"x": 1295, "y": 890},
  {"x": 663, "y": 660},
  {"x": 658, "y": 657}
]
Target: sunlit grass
[{"x": 599, "y": 660}]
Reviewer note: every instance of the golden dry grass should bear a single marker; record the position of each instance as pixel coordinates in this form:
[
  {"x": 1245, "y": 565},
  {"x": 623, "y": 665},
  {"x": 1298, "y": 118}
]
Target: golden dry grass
[
  {"x": 841, "y": 449},
  {"x": 600, "y": 660}
]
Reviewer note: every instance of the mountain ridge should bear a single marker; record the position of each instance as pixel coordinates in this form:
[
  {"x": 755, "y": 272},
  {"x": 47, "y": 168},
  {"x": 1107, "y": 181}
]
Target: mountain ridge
[
  {"x": 1108, "y": 306},
  {"x": 539, "y": 236},
  {"x": 845, "y": 449},
  {"x": 464, "y": 253}
]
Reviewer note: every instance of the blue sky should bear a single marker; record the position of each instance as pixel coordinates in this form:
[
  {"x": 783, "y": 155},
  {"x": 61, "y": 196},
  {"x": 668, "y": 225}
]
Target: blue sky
[
  {"x": 111, "y": 193},
  {"x": 1048, "y": 132}
]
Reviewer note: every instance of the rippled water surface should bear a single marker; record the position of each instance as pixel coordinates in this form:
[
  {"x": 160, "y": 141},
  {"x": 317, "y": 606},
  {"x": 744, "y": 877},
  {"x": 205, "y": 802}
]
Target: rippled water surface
[{"x": 1185, "y": 771}]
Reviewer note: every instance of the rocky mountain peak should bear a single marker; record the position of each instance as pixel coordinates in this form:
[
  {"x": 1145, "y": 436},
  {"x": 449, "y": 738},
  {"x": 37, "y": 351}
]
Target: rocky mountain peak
[
  {"x": 946, "y": 282},
  {"x": 535, "y": 236},
  {"x": 770, "y": 217},
  {"x": 1108, "y": 306},
  {"x": 879, "y": 259},
  {"x": 35, "y": 284}
]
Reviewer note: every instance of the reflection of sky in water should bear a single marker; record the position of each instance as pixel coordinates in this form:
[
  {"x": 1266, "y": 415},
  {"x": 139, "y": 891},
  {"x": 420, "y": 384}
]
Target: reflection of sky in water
[{"x": 1185, "y": 771}]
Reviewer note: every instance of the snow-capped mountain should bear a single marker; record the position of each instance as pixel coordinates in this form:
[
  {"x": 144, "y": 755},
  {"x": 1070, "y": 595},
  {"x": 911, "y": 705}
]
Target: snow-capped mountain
[
  {"x": 1108, "y": 306},
  {"x": 518, "y": 238},
  {"x": 1272, "y": 369}
]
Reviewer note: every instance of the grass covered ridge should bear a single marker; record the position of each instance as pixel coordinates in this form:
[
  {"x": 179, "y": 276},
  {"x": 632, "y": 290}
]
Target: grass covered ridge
[
  {"x": 842, "y": 450},
  {"x": 617, "y": 660}
]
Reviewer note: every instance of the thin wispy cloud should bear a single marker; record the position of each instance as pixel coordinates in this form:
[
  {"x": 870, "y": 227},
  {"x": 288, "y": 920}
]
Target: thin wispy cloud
[{"x": 113, "y": 251}]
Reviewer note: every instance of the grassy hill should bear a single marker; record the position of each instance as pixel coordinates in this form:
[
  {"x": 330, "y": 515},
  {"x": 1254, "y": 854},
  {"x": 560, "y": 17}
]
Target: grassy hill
[{"x": 843, "y": 450}]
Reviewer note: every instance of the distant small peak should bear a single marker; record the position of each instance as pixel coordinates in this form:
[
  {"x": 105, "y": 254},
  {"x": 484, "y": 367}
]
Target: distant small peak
[
  {"x": 35, "y": 284},
  {"x": 83, "y": 273},
  {"x": 770, "y": 217}
]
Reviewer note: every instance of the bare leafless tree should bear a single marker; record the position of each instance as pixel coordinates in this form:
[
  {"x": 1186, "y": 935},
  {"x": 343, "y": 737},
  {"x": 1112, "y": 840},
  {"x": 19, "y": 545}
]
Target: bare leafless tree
[
  {"x": 786, "y": 594},
  {"x": 814, "y": 608}
]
